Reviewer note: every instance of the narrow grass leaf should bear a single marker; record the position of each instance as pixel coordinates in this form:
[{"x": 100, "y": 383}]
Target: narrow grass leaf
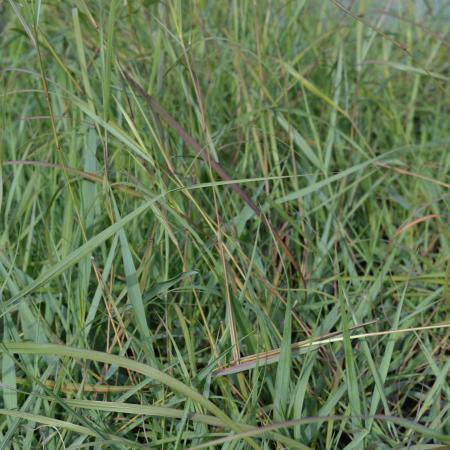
[
  {"x": 316, "y": 186},
  {"x": 75, "y": 256},
  {"x": 66, "y": 425},
  {"x": 163, "y": 287},
  {"x": 283, "y": 377},
  {"x": 28, "y": 348},
  {"x": 135, "y": 294}
]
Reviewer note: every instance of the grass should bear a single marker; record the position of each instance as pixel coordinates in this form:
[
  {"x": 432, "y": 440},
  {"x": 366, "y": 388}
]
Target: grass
[{"x": 224, "y": 225}]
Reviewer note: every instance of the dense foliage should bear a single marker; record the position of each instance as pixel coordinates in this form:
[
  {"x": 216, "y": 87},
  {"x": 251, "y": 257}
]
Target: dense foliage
[{"x": 131, "y": 270}]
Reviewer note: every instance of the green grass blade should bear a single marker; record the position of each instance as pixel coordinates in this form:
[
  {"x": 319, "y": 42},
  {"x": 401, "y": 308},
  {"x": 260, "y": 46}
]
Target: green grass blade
[
  {"x": 135, "y": 294},
  {"x": 146, "y": 370},
  {"x": 283, "y": 377},
  {"x": 75, "y": 256}
]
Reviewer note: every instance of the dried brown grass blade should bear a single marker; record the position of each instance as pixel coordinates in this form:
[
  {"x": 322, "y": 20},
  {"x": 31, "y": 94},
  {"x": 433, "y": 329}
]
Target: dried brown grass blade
[{"x": 272, "y": 356}]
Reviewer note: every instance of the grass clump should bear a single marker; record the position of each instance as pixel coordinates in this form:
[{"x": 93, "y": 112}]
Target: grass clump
[{"x": 224, "y": 225}]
